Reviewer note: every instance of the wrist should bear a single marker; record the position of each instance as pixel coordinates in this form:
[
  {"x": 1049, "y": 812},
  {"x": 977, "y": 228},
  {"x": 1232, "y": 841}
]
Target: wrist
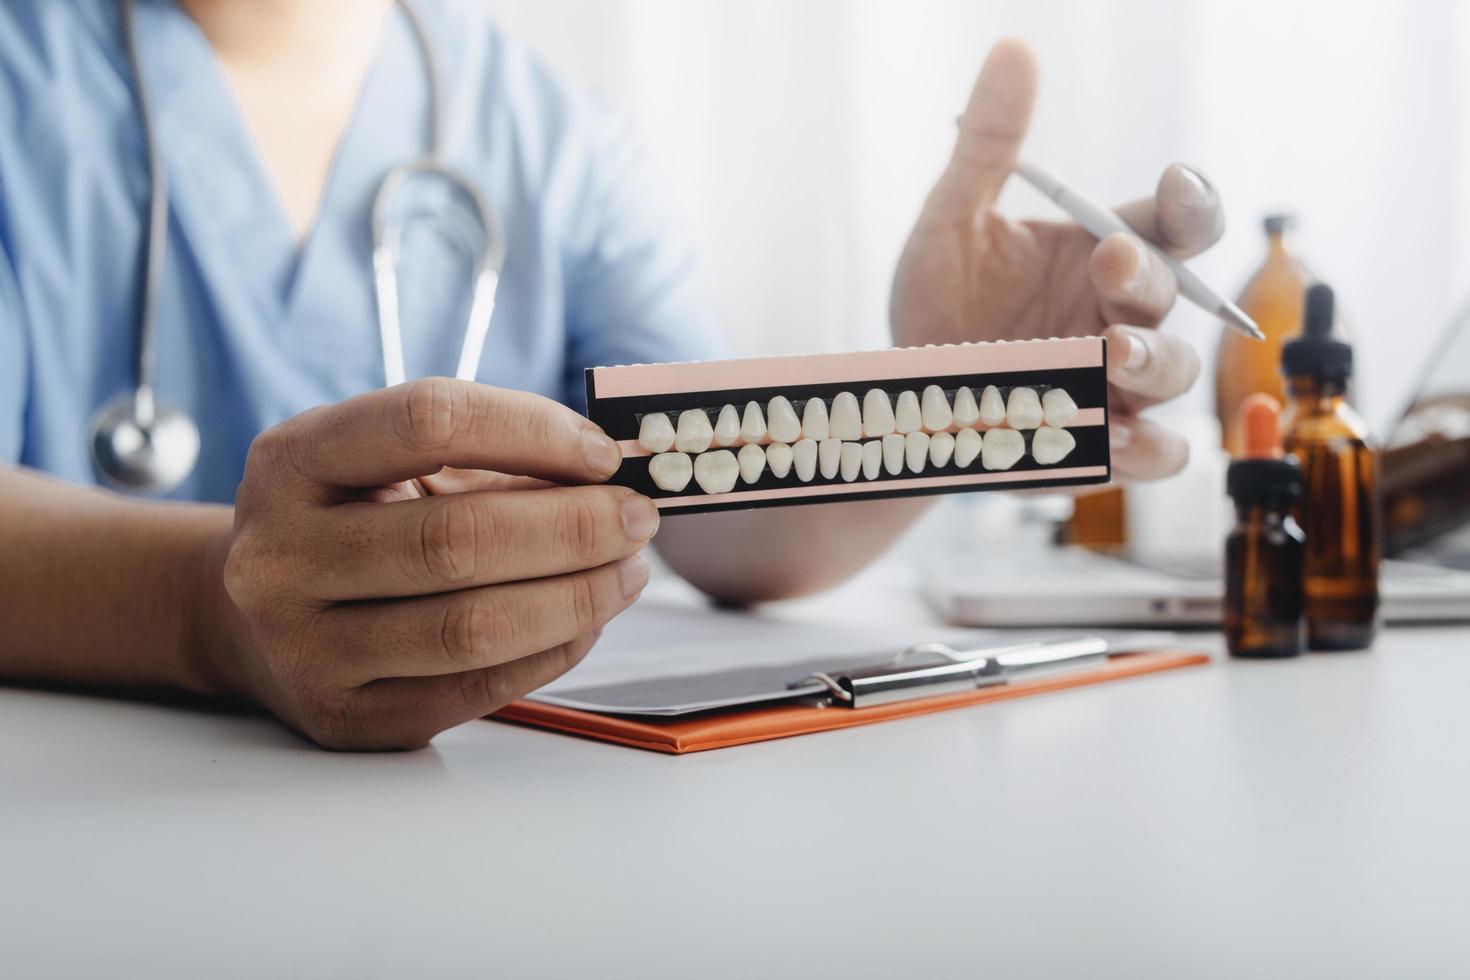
[{"x": 214, "y": 632}]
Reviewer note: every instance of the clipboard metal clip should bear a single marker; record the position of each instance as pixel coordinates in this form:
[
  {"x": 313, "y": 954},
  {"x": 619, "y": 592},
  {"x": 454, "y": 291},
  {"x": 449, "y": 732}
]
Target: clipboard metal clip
[{"x": 929, "y": 669}]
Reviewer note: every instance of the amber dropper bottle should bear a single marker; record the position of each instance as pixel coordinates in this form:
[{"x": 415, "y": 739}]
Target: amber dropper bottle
[
  {"x": 1273, "y": 298},
  {"x": 1339, "y": 505},
  {"x": 1265, "y": 553}
]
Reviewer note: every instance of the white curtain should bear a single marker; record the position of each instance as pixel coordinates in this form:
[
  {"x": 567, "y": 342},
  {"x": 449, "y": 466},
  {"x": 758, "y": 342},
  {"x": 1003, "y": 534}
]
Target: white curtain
[{"x": 798, "y": 137}]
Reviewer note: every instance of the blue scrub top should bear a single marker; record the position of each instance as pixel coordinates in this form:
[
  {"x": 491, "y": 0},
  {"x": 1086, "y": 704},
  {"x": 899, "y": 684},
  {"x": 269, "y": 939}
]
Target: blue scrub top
[{"x": 256, "y": 327}]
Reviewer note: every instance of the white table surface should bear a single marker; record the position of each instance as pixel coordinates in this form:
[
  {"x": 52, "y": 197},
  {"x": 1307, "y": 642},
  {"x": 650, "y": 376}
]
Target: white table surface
[{"x": 1306, "y": 818}]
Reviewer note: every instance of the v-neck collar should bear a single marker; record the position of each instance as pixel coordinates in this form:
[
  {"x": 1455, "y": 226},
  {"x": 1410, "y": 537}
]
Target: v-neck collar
[
  {"x": 222, "y": 190},
  {"x": 255, "y": 154}
]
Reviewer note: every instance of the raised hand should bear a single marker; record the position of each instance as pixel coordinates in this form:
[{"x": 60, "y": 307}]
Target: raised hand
[{"x": 969, "y": 273}]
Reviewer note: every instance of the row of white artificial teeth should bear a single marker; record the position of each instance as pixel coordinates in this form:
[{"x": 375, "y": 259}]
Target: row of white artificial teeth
[
  {"x": 932, "y": 413},
  {"x": 996, "y": 449}
]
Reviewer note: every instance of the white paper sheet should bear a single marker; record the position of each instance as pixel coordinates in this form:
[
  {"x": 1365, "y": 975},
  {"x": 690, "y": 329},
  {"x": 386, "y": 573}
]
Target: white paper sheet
[{"x": 670, "y": 657}]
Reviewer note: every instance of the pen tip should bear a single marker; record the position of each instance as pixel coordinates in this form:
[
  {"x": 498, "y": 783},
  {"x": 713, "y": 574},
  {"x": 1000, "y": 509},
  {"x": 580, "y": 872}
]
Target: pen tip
[{"x": 1237, "y": 317}]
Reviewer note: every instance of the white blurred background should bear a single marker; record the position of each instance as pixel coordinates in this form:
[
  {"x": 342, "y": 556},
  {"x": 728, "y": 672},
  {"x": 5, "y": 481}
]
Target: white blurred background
[{"x": 797, "y": 138}]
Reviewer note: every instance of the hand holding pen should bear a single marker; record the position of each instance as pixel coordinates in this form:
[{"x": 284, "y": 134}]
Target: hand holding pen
[
  {"x": 1100, "y": 222},
  {"x": 969, "y": 273}
]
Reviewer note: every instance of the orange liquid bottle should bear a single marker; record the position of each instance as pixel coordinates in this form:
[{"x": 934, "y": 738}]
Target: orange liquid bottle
[
  {"x": 1273, "y": 298},
  {"x": 1339, "y": 506},
  {"x": 1265, "y": 552}
]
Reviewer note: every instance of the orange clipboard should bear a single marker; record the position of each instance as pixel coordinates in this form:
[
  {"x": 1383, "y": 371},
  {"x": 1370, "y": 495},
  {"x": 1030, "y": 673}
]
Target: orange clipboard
[{"x": 720, "y": 729}]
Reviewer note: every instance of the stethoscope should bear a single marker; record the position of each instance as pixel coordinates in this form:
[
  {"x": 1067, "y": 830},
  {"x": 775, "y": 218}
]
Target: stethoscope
[{"x": 143, "y": 444}]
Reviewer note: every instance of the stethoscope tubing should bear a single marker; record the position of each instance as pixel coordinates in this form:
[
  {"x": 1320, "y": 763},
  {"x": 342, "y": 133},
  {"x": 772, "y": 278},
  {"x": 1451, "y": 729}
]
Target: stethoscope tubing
[
  {"x": 146, "y": 353},
  {"x": 488, "y": 263},
  {"x": 386, "y": 237}
]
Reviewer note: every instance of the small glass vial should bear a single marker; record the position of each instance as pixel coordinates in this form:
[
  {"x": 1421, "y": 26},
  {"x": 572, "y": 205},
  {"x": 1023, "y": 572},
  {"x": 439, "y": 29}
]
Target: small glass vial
[
  {"x": 1265, "y": 553},
  {"x": 1339, "y": 505}
]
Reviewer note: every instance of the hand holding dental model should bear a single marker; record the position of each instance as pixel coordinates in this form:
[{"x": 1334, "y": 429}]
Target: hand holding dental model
[
  {"x": 365, "y": 625},
  {"x": 969, "y": 273}
]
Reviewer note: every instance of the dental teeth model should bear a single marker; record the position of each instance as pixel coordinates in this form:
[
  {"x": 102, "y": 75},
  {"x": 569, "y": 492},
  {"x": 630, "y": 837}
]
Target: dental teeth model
[
  {"x": 804, "y": 460},
  {"x": 846, "y": 417},
  {"x": 671, "y": 471},
  {"x": 1003, "y": 449},
  {"x": 781, "y": 420},
  {"x": 992, "y": 409},
  {"x": 893, "y": 453},
  {"x": 933, "y": 432},
  {"x": 1051, "y": 445},
  {"x": 727, "y": 427},
  {"x": 848, "y": 426},
  {"x": 851, "y": 460},
  {"x": 966, "y": 447},
  {"x": 814, "y": 419},
  {"x": 751, "y": 459},
  {"x": 829, "y": 457},
  {"x": 716, "y": 472},
  {"x": 1023, "y": 409},
  {"x": 694, "y": 434},
  {"x": 753, "y": 423},
  {"x": 916, "y": 451},
  {"x": 967, "y": 413},
  {"x": 937, "y": 415},
  {"x": 779, "y": 457},
  {"x": 1057, "y": 407},
  {"x": 906, "y": 415},
  {"x": 877, "y": 413},
  {"x": 656, "y": 433},
  {"x": 941, "y": 447}
]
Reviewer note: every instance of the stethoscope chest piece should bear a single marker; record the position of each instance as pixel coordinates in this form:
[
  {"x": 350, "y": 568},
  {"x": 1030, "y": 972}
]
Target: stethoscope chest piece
[{"x": 142, "y": 448}]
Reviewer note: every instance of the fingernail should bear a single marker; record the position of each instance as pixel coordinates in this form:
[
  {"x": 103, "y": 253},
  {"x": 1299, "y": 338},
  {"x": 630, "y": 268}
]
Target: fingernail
[
  {"x": 601, "y": 453},
  {"x": 633, "y": 575},
  {"x": 1143, "y": 263},
  {"x": 640, "y": 517},
  {"x": 1194, "y": 190},
  {"x": 1119, "y": 436},
  {"x": 1138, "y": 348}
]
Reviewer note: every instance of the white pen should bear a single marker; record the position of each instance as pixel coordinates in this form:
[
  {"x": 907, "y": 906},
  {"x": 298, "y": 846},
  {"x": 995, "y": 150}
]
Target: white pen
[{"x": 1101, "y": 222}]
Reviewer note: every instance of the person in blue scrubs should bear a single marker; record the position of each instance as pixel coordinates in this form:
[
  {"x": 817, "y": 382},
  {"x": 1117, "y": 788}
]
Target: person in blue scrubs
[{"x": 373, "y": 564}]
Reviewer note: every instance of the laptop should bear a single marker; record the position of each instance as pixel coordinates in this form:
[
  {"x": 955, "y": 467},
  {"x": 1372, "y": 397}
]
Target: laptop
[{"x": 1425, "y": 481}]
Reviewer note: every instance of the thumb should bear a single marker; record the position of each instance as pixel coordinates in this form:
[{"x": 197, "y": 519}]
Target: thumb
[{"x": 990, "y": 132}]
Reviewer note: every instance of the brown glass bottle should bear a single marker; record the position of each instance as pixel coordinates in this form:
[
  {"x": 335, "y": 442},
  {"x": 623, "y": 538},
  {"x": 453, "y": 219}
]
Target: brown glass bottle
[
  {"x": 1264, "y": 556},
  {"x": 1265, "y": 552},
  {"x": 1339, "y": 505},
  {"x": 1273, "y": 298}
]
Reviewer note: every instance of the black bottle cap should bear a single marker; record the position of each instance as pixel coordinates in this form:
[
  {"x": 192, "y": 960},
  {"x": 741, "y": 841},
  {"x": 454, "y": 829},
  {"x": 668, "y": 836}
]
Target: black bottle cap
[
  {"x": 1275, "y": 224},
  {"x": 1316, "y": 353},
  {"x": 1264, "y": 481}
]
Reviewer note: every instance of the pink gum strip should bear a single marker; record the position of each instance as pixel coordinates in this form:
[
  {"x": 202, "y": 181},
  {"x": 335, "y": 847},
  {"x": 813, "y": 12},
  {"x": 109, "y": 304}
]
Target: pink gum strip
[
  {"x": 867, "y": 486},
  {"x": 853, "y": 367},
  {"x": 1084, "y": 417}
]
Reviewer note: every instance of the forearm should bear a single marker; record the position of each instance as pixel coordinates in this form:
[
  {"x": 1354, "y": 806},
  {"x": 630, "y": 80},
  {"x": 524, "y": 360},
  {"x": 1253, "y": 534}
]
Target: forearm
[
  {"x": 778, "y": 553},
  {"x": 99, "y": 590}
]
